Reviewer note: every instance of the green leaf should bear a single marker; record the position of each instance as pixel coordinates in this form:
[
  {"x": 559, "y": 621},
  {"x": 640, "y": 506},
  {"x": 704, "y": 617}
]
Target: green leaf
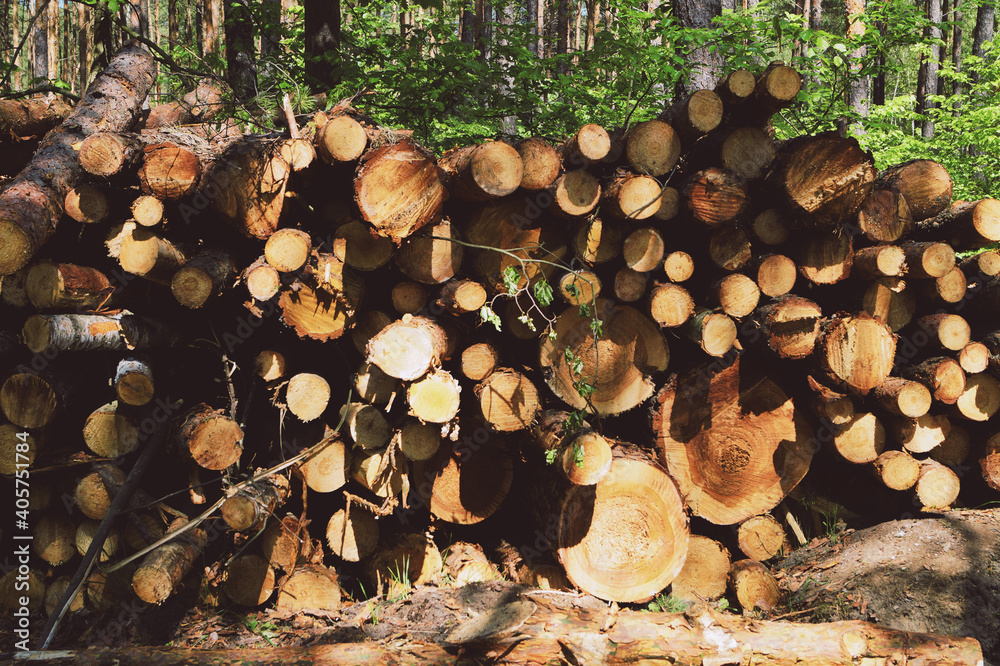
[
  {"x": 487, "y": 316},
  {"x": 527, "y": 321},
  {"x": 511, "y": 278},
  {"x": 543, "y": 293},
  {"x": 551, "y": 455}
]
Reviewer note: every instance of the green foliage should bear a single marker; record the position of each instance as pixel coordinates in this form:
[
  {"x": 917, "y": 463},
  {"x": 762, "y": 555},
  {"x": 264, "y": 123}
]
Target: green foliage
[{"x": 667, "y": 603}]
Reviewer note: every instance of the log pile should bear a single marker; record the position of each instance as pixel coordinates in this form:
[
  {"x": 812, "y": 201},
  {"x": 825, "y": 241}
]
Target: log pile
[{"x": 679, "y": 316}]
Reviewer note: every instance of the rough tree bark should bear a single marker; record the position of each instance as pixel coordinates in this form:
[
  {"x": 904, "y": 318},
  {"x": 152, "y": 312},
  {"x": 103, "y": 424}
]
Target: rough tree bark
[
  {"x": 31, "y": 205},
  {"x": 322, "y": 26},
  {"x": 706, "y": 65}
]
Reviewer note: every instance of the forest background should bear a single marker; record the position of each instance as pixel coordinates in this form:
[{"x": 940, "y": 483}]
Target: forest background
[{"x": 908, "y": 79}]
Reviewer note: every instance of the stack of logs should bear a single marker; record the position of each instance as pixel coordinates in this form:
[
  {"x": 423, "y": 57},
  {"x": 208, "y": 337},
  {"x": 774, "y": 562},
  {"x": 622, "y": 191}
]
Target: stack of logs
[{"x": 481, "y": 312}]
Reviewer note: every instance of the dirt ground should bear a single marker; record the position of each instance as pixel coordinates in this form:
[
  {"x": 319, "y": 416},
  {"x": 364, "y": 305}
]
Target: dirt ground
[{"x": 936, "y": 574}]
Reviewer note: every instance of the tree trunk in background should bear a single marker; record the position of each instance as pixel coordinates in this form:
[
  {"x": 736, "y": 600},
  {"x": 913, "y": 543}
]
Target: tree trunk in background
[
  {"x": 562, "y": 33},
  {"x": 593, "y": 9},
  {"x": 209, "y": 24},
  {"x": 52, "y": 38},
  {"x": 985, "y": 19},
  {"x": 173, "y": 27},
  {"x": 858, "y": 85},
  {"x": 270, "y": 39},
  {"x": 927, "y": 78},
  {"x": 956, "y": 51},
  {"x": 15, "y": 38},
  {"x": 506, "y": 14},
  {"x": 706, "y": 66},
  {"x": 468, "y": 26},
  {"x": 41, "y": 59},
  {"x": 322, "y": 28},
  {"x": 532, "y": 18},
  {"x": 83, "y": 71},
  {"x": 239, "y": 50}
]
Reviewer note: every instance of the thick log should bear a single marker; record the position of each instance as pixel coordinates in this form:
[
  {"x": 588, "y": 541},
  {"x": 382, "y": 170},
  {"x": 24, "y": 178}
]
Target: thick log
[
  {"x": 288, "y": 249},
  {"x": 363, "y": 250},
  {"x": 937, "y": 486},
  {"x": 309, "y": 586},
  {"x": 947, "y": 289},
  {"x": 31, "y": 204},
  {"x": 418, "y": 440},
  {"x": 51, "y": 285},
  {"x": 409, "y": 559},
  {"x": 670, "y": 305},
  {"x": 144, "y": 252},
  {"x": 17, "y": 448},
  {"x": 95, "y": 491},
  {"x": 586, "y": 457},
  {"x": 617, "y": 364},
  {"x": 32, "y": 399},
  {"x": 889, "y": 301},
  {"x": 729, "y": 248},
  {"x": 949, "y": 331},
  {"x": 53, "y": 537},
  {"x": 898, "y": 470},
  {"x": 652, "y": 148},
  {"x": 352, "y": 533},
  {"x": 366, "y": 425},
  {"x": 630, "y": 285},
  {"x": 169, "y": 171},
  {"x": 736, "y": 295},
  {"x": 885, "y": 216},
  {"x": 974, "y": 357},
  {"x": 928, "y": 260},
  {"x": 942, "y": 375},
  {"x": 35, "y": 116},
  {"x": 214, "y": 441},
  {"x": 383, "y": 472},
  {"x": 109, "y": 432},
  {"x": 461, "y": 296},
  {"x": 695, "y": 114},
  {"x": 162, "y": 570},
  {"x": 762, "y": 537},
  {"x": 580, "y": 287},
  {"x": 678, "y": 266},
  {"x": 871, "y": 263},
  {"x": 411, "y": 297},
  {"x": 705, "y": 572},
  {"x": 733, "y": 439},
  {"x": 482, "y": 172},
  {"x": 715, "y": 196},
  {"x": 775, "y": 274},
  {"x": 247, "y": 184},
  {"x": 575, "y": 193},
  {"x": 250, "y": 507},
  {"x": 826, "y": 257},
  {"x": 465, "y": 486},
  {"x": 399, "y": 188},
  {"x": 631, "y": 197},
  {"x": 824, "y": 178},
  {"x": 921, "y": 434},
  {"x": 327, "y": 469},
  {"x": 248, "y": 580},
  {"x": 754, "y": 586},
  {"x": 409, "y": 347},
  {"x": 714, "y": 332},
  {"x": 591, "y": 143},
  {"x": 508, "y": 400},
  {"x": 861, "y": 439},
  {"x": 790, "y": 326},
  {"x": 830, "y": 405},
  {"x": 431, "y": 257},
  {"x": 374, "y": 386},
  {"x": 596, "y": 244},
  {"x": 540, "y": 163},
  {"x": 747, "y": 152},
  {"x": 203, "y": 103},
  {"x": 643, "y": 249},
  {"x": 550, "y": 625},
  {"x": 479, "y": 360},
  {"x": 87, "y": 204},
  {"x": 84, "y": 536},
  {"x": 262, "y": 281},
  {"x": 981, "y": 398},
  {"x": 307, "y": 395},
  {"x": 341, "y": 139},
  {"x": 736, "y": 87},
  {"x": 106, "y": 154},
  {"x": 325, "y": 312},
  {"x": 903, "y": 397},
  {"x": 147, "y": 210},
  {"x": 926, "y": 185},
  {"x": 967, "y": 224},
  {"x": 856, "y": 351},
  {"x": 202, "y": 278},
  {"x": 435, "y": 397}
]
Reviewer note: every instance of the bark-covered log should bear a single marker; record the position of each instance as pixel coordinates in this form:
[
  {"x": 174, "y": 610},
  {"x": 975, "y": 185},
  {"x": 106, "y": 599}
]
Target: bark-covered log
[
  {"x": 31, "y": 204},
  {"x": 22, "y": 118},
  {"x": 925, "y": 184},
  {"x": 486, "y": 171},
  {"x": 540, "y": 163}
]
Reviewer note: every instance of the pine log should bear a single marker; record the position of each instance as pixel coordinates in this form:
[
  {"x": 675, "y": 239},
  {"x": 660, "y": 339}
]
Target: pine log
[
  {"x": 830, "y": 405},
  {"x": 214, "y": 441},
  {"x": 630, "y": 285},
  {"x": 981, "y": 398},
  {"x": 714, "y": 332},
  {"x": 586, "y": 457},
  {"x": 947, "y": 289},
  {"x": 754, "y": 586},
  {"x": 465, "y": 484},
  {"x": 281, "y": 543},
  {"x": 974, "y": 357},
  {"x": 889, "y": 301},
  {"x": 826, "y": 257},
  {"x": 955, "y": 449},
  {"x": 705, "y": 572},
  {"x": 729, "y": 248},
  {"x": 575, "y": 193},
  {"x": 461, "y": 296},
  {"x": 591, "y": 143},
  {"x": 856, "y": 351},
  {"x": 32, "y": 399},
  {"x": 18, "y": 448},
  {"x": 162, "y": 570},
  {"x": 735, "y": 88},
  {"x": 50, "y": 285},
  {"x": 579, "y": 287},
  {"x": 327, "y": 469},
  {"x": 399, "y": 188},
  {"x": 942, "y": 375},
  {"x": 201, "y": 278},
  {"x": 203, "y": 103},
  {"x": 990, "y": 463},
  {"x": 409, "y": 347},
  {"x": 95, "y": 491},
  {"x": 287, "y": 249},
  {"x": 540, "y": 163},
  {"x": 84, "y": 536},
  {"x": 53, "y": 537},
  {"x": 508, "y": 400},
  {"x": 898, "y": 470},
  {"x": 925, "y": 184},
  {"x": 364, "y": 251},
  {"x": 147, "y": 210},
  {"x": 921, "y": 434},
  {"x": 248, "y": 580},
  {"x": 482, "y": 172},
  {"x": 418, "y": 440},
  {"x": 652, "y": 148},
  {"x": 871, "y": 263},
  {"x": 595, "y": 244},
  {"x": 341, "y": 139},
  {"x": 383, "y": 472},
  {"x": 670, "y": 204},
  {"x": 679, "y": 266},
  {"x": 12, "y": 597},
  {"x": 950, "y": 331},
  {"x": 695, "y": 114},
  {"x": 733, "y": 439},
  {"x": 631, "y": 197},
  {"x": 144, "y": 252},
  {"x": 903, "y": 397},
  {"x": 409, "y": 559},
  {"x": 775, "y": 274},
  {"x": 777, "y": 87},
  {"x": 366, "y": 425},
  {"x": 736, "y": 295},
  {"x": 928, "y": 260},
  {"x": 261, "y": 280},
  {"x": 374, "y": 386},
  {"x": 106, "y": 154},
  {"x": 435, "y": 397},
  {"x": 31, "y": 204},
  {"x": 307, "y": 395},
  {"x": 643, "y": 249},
  {"x": 321, "y": 313},
  {"x": 479, "y": 360},
  {"x": 824, "y": 178},
  {"x": 986, "y": 263},
  {"x": 110, "y": 432},
  {"x": 431, "y": 257},
  {"x": 352, "y": 533},
  {"x": 762, "y": 537},
  {"x": 967, "y": 224},
  {"x": 87, "y": 204},
  {"x": 169, "y": 171},
  {"x": 670, "y": 305},
  {"x": 937, "y": 486},
  {"x": 625, "y": 538},
  {"x": 247, "y": 185},
  {"x": 885, "y": 216},
  {"x": 748, "y": 152},
  {"x": 715, "y": 196},
  {"x": 861, "y": 439},
  {"x": 616, "y": 364},
  {"x": 250, "y": 507},
  {"x": 33, "y": 116},
  {"x": 368, "y": 324}
]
